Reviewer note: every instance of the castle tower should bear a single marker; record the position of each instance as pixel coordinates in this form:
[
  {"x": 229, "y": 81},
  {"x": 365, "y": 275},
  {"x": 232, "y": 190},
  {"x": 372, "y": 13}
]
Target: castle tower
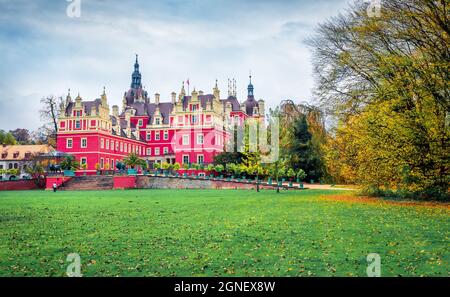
[{"x": 136, "y": 77}]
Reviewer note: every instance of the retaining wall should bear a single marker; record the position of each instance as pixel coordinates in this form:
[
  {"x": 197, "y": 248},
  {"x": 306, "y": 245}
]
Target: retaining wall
[{"x": 18, "y": 185}]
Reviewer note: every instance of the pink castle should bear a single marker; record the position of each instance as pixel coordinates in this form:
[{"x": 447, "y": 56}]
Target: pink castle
[{"x": 186, "y": 129}]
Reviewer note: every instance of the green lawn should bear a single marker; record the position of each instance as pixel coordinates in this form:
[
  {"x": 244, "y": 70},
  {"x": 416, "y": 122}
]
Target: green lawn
[{"x": 217, "y": 232}]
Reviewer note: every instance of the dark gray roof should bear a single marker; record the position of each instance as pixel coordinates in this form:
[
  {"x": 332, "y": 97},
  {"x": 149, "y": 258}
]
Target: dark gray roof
[
  {"x": 250, "y": 103},
  {"x": 87, "y": 105},
  {"x": 234, "y": 103}
]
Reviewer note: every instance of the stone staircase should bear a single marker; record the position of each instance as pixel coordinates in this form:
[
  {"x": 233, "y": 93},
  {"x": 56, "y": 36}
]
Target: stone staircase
[{"x": 90, "y": 182}]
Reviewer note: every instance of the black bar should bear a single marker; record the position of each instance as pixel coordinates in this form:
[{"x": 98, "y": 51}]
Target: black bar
[{"x": 233, "y": 286}]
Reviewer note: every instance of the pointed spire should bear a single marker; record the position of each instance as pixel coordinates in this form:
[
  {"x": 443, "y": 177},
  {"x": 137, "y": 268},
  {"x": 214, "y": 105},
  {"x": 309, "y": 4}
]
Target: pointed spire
[
  {"x": 136, "y": 77},
  {"x": 250, "y": 88},
  {"x": 136, "y": 64},
  {"x": 68, "y": 98},
  {"x": 104, "y": 99}
]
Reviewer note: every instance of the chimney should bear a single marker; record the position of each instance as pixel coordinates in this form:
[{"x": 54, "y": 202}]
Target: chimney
[
  {"x": 262, "y": 109},
  {"x": 200, "y": 93},
  {"x": 157, "y": 98},
  {"x": 174, "y": 97},
  {"x": 115, "y": 110}
]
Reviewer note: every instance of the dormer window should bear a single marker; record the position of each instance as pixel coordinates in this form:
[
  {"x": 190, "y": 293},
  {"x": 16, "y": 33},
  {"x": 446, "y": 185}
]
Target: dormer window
[
  {"x": 78, "y": 113},
  {"x": 4, "y": 155},
  {"x": 158, "y": 121},
  {"x": 140, "y": 123},
  {"x": 27, "y": 155},
  {"x": 16, "y": 155}
]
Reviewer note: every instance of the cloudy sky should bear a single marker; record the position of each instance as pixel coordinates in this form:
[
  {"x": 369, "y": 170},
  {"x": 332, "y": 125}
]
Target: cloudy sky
[{"x": 43, "y": 51}]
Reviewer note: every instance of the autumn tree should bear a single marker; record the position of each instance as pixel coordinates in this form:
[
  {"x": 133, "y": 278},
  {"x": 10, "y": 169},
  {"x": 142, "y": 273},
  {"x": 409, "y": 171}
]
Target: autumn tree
[
  {"x": 385, "y": 80},
  {"x": 7, "y": 138}
]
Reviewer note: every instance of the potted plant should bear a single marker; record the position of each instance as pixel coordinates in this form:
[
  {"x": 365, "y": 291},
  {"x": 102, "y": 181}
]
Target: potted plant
[
  {"x": 69, "y": 164},
  {"x": 97, "y": 167},
  {"x": 301, "y": 175},
  {"x": 166, "y": 167},
  {"x": 133, "y": 160},
  {"x": 219, "y": 169},
  {"x": 156, "y": 166},
  {"x": 84, "y": 167},
  {"x": 176, "y": 167},
  {"x": 144, "y": 167},
  {"x": 290, "y": 173},
  {"x": 210, "y": 168}
]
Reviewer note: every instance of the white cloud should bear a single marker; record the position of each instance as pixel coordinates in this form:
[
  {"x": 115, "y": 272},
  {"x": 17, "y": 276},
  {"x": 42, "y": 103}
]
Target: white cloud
[{"x": 45, "y": 52}]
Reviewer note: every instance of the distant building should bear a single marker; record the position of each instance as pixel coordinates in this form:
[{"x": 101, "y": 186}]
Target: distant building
[
  {"x": 19, "y": 157},
  {"x": 185, "y": 129}
]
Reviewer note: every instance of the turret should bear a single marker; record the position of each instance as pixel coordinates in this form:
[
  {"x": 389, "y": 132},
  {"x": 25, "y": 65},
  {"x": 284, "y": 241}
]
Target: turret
[
  {"x": 216, "y": 92},
  {"x": 104, "y": 98},
  {"x": 194, "y": 95},
  {"x": 115, "y": 110},
  {"x": 250, "y": 88},
  {"x": 261, "y": 105},
  {"x": 174, "y": 97},
  {"x": 68, "y": 98}
]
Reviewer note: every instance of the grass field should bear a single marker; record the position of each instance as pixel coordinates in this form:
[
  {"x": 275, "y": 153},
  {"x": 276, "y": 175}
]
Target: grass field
[{"x": 218, "y": 232}]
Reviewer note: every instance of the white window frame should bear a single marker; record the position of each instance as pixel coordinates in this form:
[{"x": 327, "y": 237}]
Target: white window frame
[
  {"x": 185, "y": 139},
  {"x": 198, "y": 159},
  {"x": 165, "y": 150},
  {"x": 67, "y": 143},
  {"x": 202, "y": 137},
  {"x": 157, "y": 135},
  {"x": 149, "y": 151},
  {"x": 187, "y": 159},
  {"x": 83, "y": 145},
  {"x": 157, "y": 151},
  {"x": 166, "y": 135}
]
